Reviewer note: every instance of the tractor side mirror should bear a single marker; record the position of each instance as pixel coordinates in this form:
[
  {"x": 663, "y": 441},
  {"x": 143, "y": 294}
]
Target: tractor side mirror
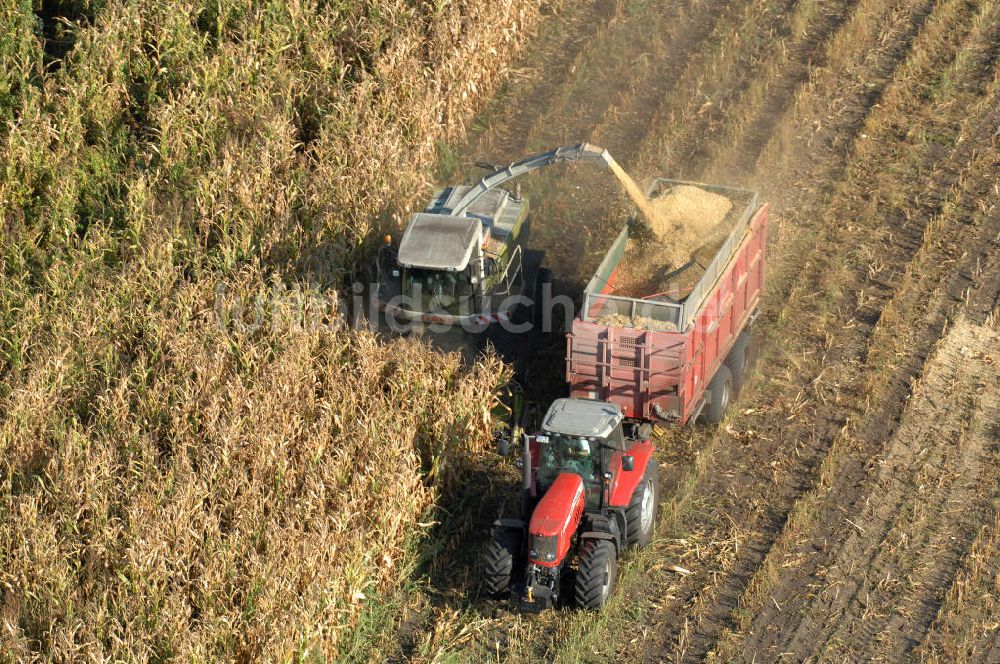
[
  {"x": 628, "y": 462},
  {"x": 503, "y": 447}
]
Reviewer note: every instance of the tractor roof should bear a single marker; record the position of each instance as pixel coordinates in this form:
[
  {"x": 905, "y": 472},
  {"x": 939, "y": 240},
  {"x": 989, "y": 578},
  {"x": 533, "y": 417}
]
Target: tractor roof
[
  {"x": 582, "y": 417},
  {"x": 438, "y": 241}
]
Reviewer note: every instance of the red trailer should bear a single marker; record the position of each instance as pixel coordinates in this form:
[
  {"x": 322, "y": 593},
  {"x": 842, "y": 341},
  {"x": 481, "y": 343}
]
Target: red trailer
[{"x": 673, "y": 358}]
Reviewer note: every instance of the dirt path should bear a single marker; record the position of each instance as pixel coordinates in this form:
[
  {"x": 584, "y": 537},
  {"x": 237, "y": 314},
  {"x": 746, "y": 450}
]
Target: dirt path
[{"x": 847, "y": 507}]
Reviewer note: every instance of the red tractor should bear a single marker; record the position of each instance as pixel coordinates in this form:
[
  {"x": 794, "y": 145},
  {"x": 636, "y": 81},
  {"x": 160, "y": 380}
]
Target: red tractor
[{"x": 590, "y": 489}]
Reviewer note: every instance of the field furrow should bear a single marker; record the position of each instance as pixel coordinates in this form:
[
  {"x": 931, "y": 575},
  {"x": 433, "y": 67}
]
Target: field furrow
[
  {"x": 918, "y": 516},
  {"x": 928, "y": 294},
  {"x": 965, "y": 628}
]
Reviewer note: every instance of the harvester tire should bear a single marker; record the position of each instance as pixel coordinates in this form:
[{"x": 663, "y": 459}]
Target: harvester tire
[
  {"x": 738, "y": 361},
  {"x": 595, "y": 579},
  {"x": 500, "y": 557},
  {"x": 640, "y": 515},
  {"x": 721, "y": 389}
]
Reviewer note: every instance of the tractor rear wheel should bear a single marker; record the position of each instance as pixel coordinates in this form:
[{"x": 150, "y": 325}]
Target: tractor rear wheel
[
  {"x": 595, "y": 579},
  {"x": 500, "y": 556},
  {"x": 640, "y": 515},
  {"x": 738, "y": 360},
  {"x": 721, "y": 389}
]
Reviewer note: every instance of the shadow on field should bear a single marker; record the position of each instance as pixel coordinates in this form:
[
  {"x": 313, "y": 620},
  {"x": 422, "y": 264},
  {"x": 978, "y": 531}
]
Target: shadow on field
[{"x": 452, "y": 555}]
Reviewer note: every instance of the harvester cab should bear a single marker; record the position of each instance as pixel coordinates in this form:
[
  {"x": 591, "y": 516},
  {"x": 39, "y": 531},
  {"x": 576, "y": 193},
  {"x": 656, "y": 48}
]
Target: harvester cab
[
  {"x": 464, "y": 259},
  {"x": 589, "y": 489},
  {"x": 449, "y": 269}
]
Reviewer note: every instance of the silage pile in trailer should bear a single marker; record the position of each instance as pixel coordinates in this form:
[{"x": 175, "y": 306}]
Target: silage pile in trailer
[
  {"x": 638, "y": 322},
  {"x": 191, "y": 465},
  {"x": 687, "y": 225}
]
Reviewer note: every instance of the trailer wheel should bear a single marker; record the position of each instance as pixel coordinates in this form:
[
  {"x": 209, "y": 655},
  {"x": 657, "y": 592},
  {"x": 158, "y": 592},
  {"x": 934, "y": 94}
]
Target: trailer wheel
[
  {"x": 738, "y": 361},
  {"x": 640, "y": 515},
  {"x": 595, "y": 580},
  {"x": 500, "y": 556},
  {"x": 721, "y": 389}
]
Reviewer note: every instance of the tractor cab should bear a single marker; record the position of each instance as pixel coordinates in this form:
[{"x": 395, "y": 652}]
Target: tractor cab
[
  {"x": 582, "y": 437},
  {"x": 441, "y": 262}
]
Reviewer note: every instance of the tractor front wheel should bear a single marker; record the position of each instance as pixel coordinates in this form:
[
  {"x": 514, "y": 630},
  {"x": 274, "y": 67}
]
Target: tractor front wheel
[
  {"x": 595, "y": 579},
  {"x": 640, "y": 515},
  {"x": 500, "y": 557}
]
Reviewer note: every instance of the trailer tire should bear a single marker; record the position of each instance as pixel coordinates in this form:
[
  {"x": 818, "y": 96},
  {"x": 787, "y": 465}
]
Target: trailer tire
[
  {"x": 640, "y": 515},
  {"x": 595, "y": 578},
  {"x": 738, "y": 361},
  {"x": 501, "y": 555},
  {"x": 721, "y": 389}
]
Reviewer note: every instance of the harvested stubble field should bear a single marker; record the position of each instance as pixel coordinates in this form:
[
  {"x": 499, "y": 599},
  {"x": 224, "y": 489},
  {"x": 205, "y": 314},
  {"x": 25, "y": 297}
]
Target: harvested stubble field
[{"x": 176, "y": 489}]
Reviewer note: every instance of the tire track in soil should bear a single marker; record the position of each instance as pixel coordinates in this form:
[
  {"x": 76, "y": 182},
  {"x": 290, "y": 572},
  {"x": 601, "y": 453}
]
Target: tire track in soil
[
  {"x": 801, "y": 56},
  {"x": 938, "y": 564},
  {"x": 965, "y": 629},
  {"x": 741, "y": 122},
  {"x": 881, "y": 67},
  {"x": 929, "y": 324},
  {"x": 586, "y": 89},
  {"x": 771, "y": 618},
  {"x": 690, "y": 117},
  {"x": 800, "y": 625},
  {"x": 624, "y": 133}
]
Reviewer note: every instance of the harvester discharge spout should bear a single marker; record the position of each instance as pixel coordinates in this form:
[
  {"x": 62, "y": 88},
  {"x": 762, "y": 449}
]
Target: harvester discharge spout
[{"x": 564, "y": 153}]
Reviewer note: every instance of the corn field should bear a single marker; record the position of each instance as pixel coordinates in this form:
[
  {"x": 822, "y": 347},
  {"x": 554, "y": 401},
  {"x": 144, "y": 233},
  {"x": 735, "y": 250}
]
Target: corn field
[{"x": 174, "y": 483}]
